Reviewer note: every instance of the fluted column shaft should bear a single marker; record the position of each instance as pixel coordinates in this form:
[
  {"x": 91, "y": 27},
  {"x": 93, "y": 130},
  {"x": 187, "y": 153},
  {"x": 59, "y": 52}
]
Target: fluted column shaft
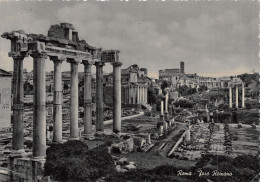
[
  {"x": 99, "y": 96},
  {"x": 57, "y": 101},
  {"x": 117, "y": 96},
  {"x": 18, "y": 107},
  {"x": 74, "y": 101},
  {"x": 39, "y": 119},
  {"x": 87, "y": 99}
]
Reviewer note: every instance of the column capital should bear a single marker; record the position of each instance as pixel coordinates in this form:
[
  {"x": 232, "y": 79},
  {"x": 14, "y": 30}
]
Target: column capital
[
  {"x": 73, "y": 60},
  {"x": 100, "y": 64},
  {"x": 116, "y": 64},
  {"x": 17, "y": 55},
  {"x": 88, "y": 62},
  {"x": 97, "y": 53},
  {"x": 58, "y": 58},
  {"x": 37, "y": 54}
]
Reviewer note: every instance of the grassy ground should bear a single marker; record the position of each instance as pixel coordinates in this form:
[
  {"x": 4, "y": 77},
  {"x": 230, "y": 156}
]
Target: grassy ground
[{"x": 150, "y": 161}]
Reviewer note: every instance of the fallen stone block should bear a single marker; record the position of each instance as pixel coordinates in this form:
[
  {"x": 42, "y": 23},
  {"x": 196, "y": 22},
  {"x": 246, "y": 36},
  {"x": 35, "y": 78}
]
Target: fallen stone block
[
  {"x": 118, "y": 168},
  {"x": 130, "y": 166}
]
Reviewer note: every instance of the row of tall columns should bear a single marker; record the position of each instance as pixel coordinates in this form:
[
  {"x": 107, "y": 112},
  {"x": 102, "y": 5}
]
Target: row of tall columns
[
  {"x": 236, "y": 98},
  {"x": 141, "y": 95},
  {"x": 39, "y": 118}
]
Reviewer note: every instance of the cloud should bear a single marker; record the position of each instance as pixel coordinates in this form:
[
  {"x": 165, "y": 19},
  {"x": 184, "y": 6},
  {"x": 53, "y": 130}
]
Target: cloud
[
  {"x": 18, "y": 20},
  {"x": 223, "y": 41}
]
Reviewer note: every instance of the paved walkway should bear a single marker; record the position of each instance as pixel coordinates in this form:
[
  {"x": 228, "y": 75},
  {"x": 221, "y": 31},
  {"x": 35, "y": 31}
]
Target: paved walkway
[{"x": 124, "y": 118}]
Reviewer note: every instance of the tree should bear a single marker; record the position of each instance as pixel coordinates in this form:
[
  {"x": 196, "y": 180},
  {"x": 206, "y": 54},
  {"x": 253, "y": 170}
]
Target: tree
[
  {"x": 203, "y": 88},
  {"x": 183, "y": 90},
  {"x": 151, "y": 95},
  {"x": 164, "y": 85},
  {"x": 73, "y": 161},
  {"x": 65, "y": 86}
]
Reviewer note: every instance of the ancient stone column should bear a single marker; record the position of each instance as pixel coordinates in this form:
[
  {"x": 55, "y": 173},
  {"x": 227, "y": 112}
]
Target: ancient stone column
[
  {"x": 143, "y": 96},
  {"x": 99, "y": 96},
  {"x": 129, "y": 94},
  {"x": 57, "y": 100},
  {"x": 160, "y": 91},
  {"x": 39, "y": 100},
  {"x": 162, "y": 107},
  {"x": 74, "y": 100},
  {"x": 166, "y": 102},
  {"x": 236, "y": 96},
  {"x": 117, "y": 96},
  {"x": 243, "y": 96},
  {"x": 188, "y": 133},
  {"x": 138, "y": 95},
  {"x": 18, "y": 94},
  {"x": 140, "y": 98},
  {"x": 230, "y": 97},
  {"x": 87, "y": 99}
]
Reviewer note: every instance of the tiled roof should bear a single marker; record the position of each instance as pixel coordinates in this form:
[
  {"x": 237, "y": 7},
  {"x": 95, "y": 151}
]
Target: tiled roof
[{"x": 4, "y": 73}]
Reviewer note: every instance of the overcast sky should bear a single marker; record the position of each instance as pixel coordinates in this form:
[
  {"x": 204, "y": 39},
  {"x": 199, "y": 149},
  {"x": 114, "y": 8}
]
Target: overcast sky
[{"x": 212, "y": 38}]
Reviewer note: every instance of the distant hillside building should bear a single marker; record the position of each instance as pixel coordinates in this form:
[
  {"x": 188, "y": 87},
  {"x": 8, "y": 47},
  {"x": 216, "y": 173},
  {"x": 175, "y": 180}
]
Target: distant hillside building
[
  {"x": 134, "y": 86},
  {"x": 171, "y": 75},
  {"x": 5, "y": 98}
]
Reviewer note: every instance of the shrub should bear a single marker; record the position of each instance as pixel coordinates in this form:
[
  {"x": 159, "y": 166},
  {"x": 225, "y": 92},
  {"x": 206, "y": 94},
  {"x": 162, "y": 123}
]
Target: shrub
[
  {"x": 72, "y": 161},
  {"x": 247, "y": 161}
]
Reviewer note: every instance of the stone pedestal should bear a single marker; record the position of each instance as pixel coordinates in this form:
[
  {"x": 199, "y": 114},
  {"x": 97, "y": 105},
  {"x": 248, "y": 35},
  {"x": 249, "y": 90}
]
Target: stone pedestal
[
  {"x": 39, "y": 119},
  {"x": 187, "y": 139},
  {"x": 117, "y": 96},
  {"x": 57, "y": 101},
  {"x": 74, "y": 104},
  {"x": 160, "y": 130},
  {"x": 18, "y": 107},
  {"x": 148, "y": 139},
  {"x": 87, "y": 99},
  {"x": 26, "y": 169},
  {"x": 99, "y": 96},
  {"x": 165, "y": 127},
  {"x": 166, "y": 115}
]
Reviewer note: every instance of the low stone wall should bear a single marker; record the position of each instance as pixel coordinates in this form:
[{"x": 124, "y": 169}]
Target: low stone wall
[
  {"x": 26, "y": 169},
  {"x": 177, "y": 143}
]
